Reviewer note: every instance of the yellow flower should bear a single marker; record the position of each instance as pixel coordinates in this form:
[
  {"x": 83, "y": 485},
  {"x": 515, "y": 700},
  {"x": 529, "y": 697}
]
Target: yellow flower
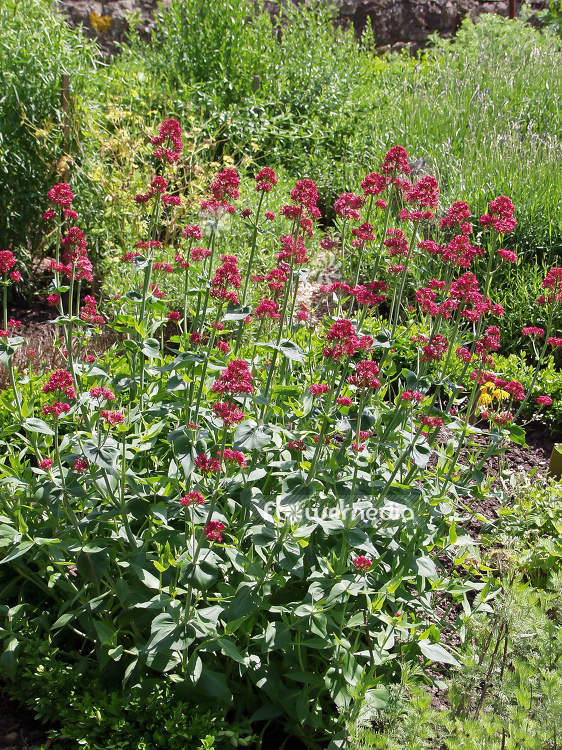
[{"x": 101, "y": 24}]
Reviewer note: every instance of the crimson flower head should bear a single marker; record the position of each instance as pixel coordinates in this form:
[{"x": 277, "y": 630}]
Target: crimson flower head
[
  {"x": 362, "y": 563},
  {"x": 554, "y": 341},
  {"x": 46, "y": 464},
  {"x": 102, "y": 394},
  {"x": 508, "y": 255},
  {"x": 266, "y": 179},
  {"x": 396, "y": 242},
  {"x": 206, "y": 464},
  {"x": 61, "y": 381},
  {"x": 80, "y": 465},
  {"x": 500, "y": 216},
  {"x": 365, "y": 375},
  {"x": 305, "y": 194},
  {"x": 458, "y": 215},
  {"x": 90, "y": 312},
  {"x": 213, "y": 531},
  {"x": 348, "y": 206},
  {"x": 317, "y": 389},
  {"x": 396, "y": 160},
  {"x": 267, "y": 308},
  {"x": 61, "y": 194},
  {"x": 344, "y": 401},
  {"x": 533, "y": 331},
  {"x": 229, "y": 413},
  {"x": 112, "y": 417},
  {"x": 374, "y": 184},
  {"x": 343, "y": 340},
  {"x": 435, "y": 349},
  {"x": 291, "y": 249},
  {"x": 362, "y": 233},
  {"x": 431, "y": 422},
  {"x": 424, "y": 193},
  {"x": 544, "y": 401},
  {"x": 170, "y": 131},
  {"x": 235, "y": 379},
  {"x": 515, "y": 389},
  {"x": 192, "y": 498},
  {"x": 7, "y": 261},
  {"x": 192, "y": 231},
  {"x": 368, "y": 295},
  {"x": 225, "y": 185},
  {"x": 233, "y": 457},
  {"x": 227, "y": 275}
]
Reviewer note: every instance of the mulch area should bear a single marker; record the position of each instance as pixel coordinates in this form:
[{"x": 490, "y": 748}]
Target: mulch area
[{"x": 19, "y": 730}]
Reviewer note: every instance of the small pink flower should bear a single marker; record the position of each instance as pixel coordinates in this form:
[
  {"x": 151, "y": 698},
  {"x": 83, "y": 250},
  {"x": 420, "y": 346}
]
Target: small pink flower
[
  {"x": 362, "y": 563},
  {"x": 213, "y": 531},
  {"x": 112, "y": 417},
  {"x": 318, "y": 389},
  {"x": 344, "y": 401},
  {"x": 544, "y": 401},
  {"x": 174, "y": 315},
  {"x": 80, "y": 465},
  {"x": 195, "y": 498},
  {"x": 46, "y": 464}
]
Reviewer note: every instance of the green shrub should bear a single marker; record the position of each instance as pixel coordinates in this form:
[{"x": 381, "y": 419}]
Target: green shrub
[{"x": 36, "y": 48}]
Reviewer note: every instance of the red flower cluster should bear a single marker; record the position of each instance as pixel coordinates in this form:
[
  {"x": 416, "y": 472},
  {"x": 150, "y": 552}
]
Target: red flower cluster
[
  {"x": 362, "y": 563},
  {"x": 533, "y": 331},
  {"x": 365, "y": 375},
  {"x": 102, "y": 393},
  {"x": 396, "y": 160},
  {"x": 458, "y": 215},
  {"x": 60, "y": 381},
  {"x": 229, "y": 413},
  {"x": 192, "y": 498},
  {"x": 424, "y": 193},
  {"x": 266, "y": 179},
  {"x": 235, "y": 379},
  {"x": 348, "y": 206},
  {"x": 296, "y": 445},
  {"x": 170, "y": 130},
  {"x": 7, "y": 261},
  {"x": 158, "y": 185},
  {"x": 317, "y": 389},
  {"x": 344, "y": 401},
  {"x": 375, "y": 184},
  {"x": 412, "y": 396},
  {"x": 435, "y": 349},
  {"x": 291, "y": 249},
  {"x": 233, "y": 457},
  {"x": 112, "y": 417},
  {"x": 80, "y": 465},
  {"x": 344, "y": 340},
  {"x": 227, "y": 275},
  {"x": 368, "y": 295},
  {"x": 508, "y": 255},
  {"x": 267, "y": 308},
  {"x": 515, "y": 389},
  {"x": 213, "y": 531},
  {"x": 500, "y": 216},
  {"x": 225, "y": 185},
  {"x": 363, "y": 233},
  {"x": 90, "y": 312},
  {"x": 61, "y": 194},
  {"x": 46, "y": 464},
  {"x": 544, "y": 401},
  {"x": 431, "y": 422},
  {"x": 396, "y": 242},
  {"x": 277, "y": 277},
  {"x": 55, "y": 410},
  {"x": 193, "y": 232},
  {"x": 207, "y": 465}
]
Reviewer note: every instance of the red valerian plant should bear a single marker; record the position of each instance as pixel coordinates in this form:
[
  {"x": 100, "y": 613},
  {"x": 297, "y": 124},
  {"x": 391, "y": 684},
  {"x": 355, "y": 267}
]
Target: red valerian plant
[{"x": 242, "y": 492}]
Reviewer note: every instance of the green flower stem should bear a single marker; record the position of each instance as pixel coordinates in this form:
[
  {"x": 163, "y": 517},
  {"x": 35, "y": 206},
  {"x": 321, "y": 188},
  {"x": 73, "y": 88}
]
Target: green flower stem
[
  {"x": 252, "y": 250},
  {"x": 398, "y": 465},
  {"x": 65, "y": 501},
  {"x": 205, "y": 364},
  {"x": 195, "y": 558},
  {"x": 358, "y": 438},
  {"x": 398, "y": 300},
  {"x": 323, "y": 428},
  {"x": 122, "y": 485},
  {"x": 199, "y": 324}
]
